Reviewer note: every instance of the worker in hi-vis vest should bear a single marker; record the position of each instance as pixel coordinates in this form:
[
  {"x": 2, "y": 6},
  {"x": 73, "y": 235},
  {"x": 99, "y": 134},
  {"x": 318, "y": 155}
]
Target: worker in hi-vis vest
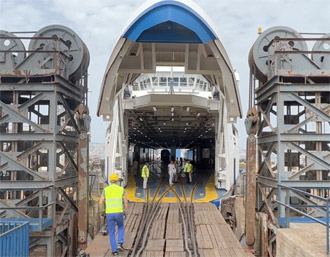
[
  {"x": 115, "y": 201},
  {"x": 145, "y": 175},
  {"x": 188, "y": 169}
]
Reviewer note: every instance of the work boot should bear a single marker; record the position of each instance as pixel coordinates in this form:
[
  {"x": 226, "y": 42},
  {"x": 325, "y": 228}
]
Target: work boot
[
  {"x": 120, "y": 247},
  {"x": 115, "y": 253}
]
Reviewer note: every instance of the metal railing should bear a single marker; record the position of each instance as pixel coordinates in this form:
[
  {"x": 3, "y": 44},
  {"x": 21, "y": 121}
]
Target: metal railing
[
  {"x": 307, "y": 66},
  {"x": 288, "y": 207},
  {"x": 40, "y": 208},
  {"x": 14, "y": 239}
]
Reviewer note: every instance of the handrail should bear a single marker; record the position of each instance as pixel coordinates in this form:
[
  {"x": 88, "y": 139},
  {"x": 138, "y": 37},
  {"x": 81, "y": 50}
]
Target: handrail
[
  {"x": 305, "y": 193},
  {"x": 40, "y": 207},
  {"x": 287, "y": 206}
]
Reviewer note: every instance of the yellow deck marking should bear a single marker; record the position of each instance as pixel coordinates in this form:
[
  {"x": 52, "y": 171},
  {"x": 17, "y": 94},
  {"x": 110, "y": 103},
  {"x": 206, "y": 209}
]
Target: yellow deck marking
[
  {"x": 210, "y": 191},
  {"x": 130, "y": 190}
]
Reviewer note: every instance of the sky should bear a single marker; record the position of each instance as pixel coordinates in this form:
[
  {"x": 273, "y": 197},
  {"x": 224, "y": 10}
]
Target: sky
[{"x": 100, "y": 22}]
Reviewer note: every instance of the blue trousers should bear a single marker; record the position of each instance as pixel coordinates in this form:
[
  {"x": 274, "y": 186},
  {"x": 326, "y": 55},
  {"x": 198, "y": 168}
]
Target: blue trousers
[{"x": 114, "y": 219}]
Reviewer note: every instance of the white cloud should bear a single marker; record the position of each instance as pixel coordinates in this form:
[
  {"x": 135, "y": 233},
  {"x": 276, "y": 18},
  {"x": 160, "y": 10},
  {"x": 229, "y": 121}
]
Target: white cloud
[{"x": 99, "y": 23}]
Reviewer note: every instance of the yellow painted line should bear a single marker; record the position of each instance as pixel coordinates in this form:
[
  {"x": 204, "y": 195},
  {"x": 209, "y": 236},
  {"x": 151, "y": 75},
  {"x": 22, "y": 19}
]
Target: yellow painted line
[
  {"x": 210, "y": 192},
  {"x": 131, "y": 189}
]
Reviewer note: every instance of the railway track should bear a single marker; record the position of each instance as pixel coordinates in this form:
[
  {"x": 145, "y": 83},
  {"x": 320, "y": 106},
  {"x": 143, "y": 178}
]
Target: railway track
[{"x": 152, "y": 208}]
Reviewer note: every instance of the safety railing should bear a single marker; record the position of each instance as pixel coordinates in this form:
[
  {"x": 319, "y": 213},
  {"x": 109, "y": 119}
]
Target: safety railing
[
  {"x": 37, "y": 224},
  {"x": 162, "y": 82},
  {"x": 14, "y": 239},
  {"x": 287, "y": 60},
  {"x": 289, "y": 207}
]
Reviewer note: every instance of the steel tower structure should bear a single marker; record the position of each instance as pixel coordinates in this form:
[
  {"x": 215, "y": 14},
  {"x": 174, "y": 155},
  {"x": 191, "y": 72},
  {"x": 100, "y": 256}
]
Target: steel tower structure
[
  {"x": 43, "y": 99},
  {"x": 290, "y": 85}
]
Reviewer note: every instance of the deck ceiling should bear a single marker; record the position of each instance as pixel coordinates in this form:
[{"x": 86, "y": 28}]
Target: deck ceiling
[{"x": 156, "y": 128}]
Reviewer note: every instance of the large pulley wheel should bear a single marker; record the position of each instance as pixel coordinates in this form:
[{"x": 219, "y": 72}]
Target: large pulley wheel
[
  {"x": 70, "y": 44},
  {"x": 322, "y": 60},
  {"x": 9, "y": 42},
  {"x": 261, "y": 53}
]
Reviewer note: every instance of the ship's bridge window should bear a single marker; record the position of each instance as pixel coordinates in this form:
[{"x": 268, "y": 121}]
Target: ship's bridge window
[
  {"x": 163, "y": 81},
  {"x": 146, "y": 83},
  {"x": 136, "y": 86},
  {"x": 155, "y": 81},
  {"x": 197, "y": 82},
  {"x": 202, "y": 85},
  {"x": 183, "y": 82},
  {"x": 175, "y": 82},
  {"x": 191, "y": 82}
]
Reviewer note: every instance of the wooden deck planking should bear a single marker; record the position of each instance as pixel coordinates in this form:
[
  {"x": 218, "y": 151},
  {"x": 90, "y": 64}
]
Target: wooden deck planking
[
  {"x": 158, "y": 227},
  {"x": 152, "y": 254},
  {"x": 155, "y": 245},
  {"x": 174, "y": 246},
  {"x": 174, "y": 231},
  {"x": 175, "y": 254},
  {"x": 214, "y": 237}
]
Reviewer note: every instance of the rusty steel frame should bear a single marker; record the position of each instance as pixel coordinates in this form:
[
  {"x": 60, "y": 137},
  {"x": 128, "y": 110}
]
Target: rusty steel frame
[
  {"x": 250, "y": 213},
  {"x": 284, "y": 135},
  {"x": 41, "y": 151},
  {"x": 83, "y": 179}
]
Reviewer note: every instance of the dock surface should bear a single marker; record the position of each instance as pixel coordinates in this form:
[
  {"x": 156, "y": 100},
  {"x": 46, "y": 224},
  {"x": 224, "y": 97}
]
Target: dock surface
[
  {"x": 292, "y": 241},
  {"x": 165, "y": 238}
]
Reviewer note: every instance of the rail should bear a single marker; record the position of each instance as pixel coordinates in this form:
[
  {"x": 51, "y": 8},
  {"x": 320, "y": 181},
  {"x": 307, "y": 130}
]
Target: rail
[
  {"x": 14, "y": 239},
  {"x": 151, "y": 209},
  {"x": 288, "y": 207}
]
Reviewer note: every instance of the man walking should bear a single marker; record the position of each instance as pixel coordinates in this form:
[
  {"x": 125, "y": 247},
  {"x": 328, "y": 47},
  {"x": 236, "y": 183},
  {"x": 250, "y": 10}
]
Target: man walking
[
  {"x": 188, "y": 168},
  {"x": 171, "y": 172},
  {"x": 145, "y": 175},
  {"x": 114, "y": 196}
]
